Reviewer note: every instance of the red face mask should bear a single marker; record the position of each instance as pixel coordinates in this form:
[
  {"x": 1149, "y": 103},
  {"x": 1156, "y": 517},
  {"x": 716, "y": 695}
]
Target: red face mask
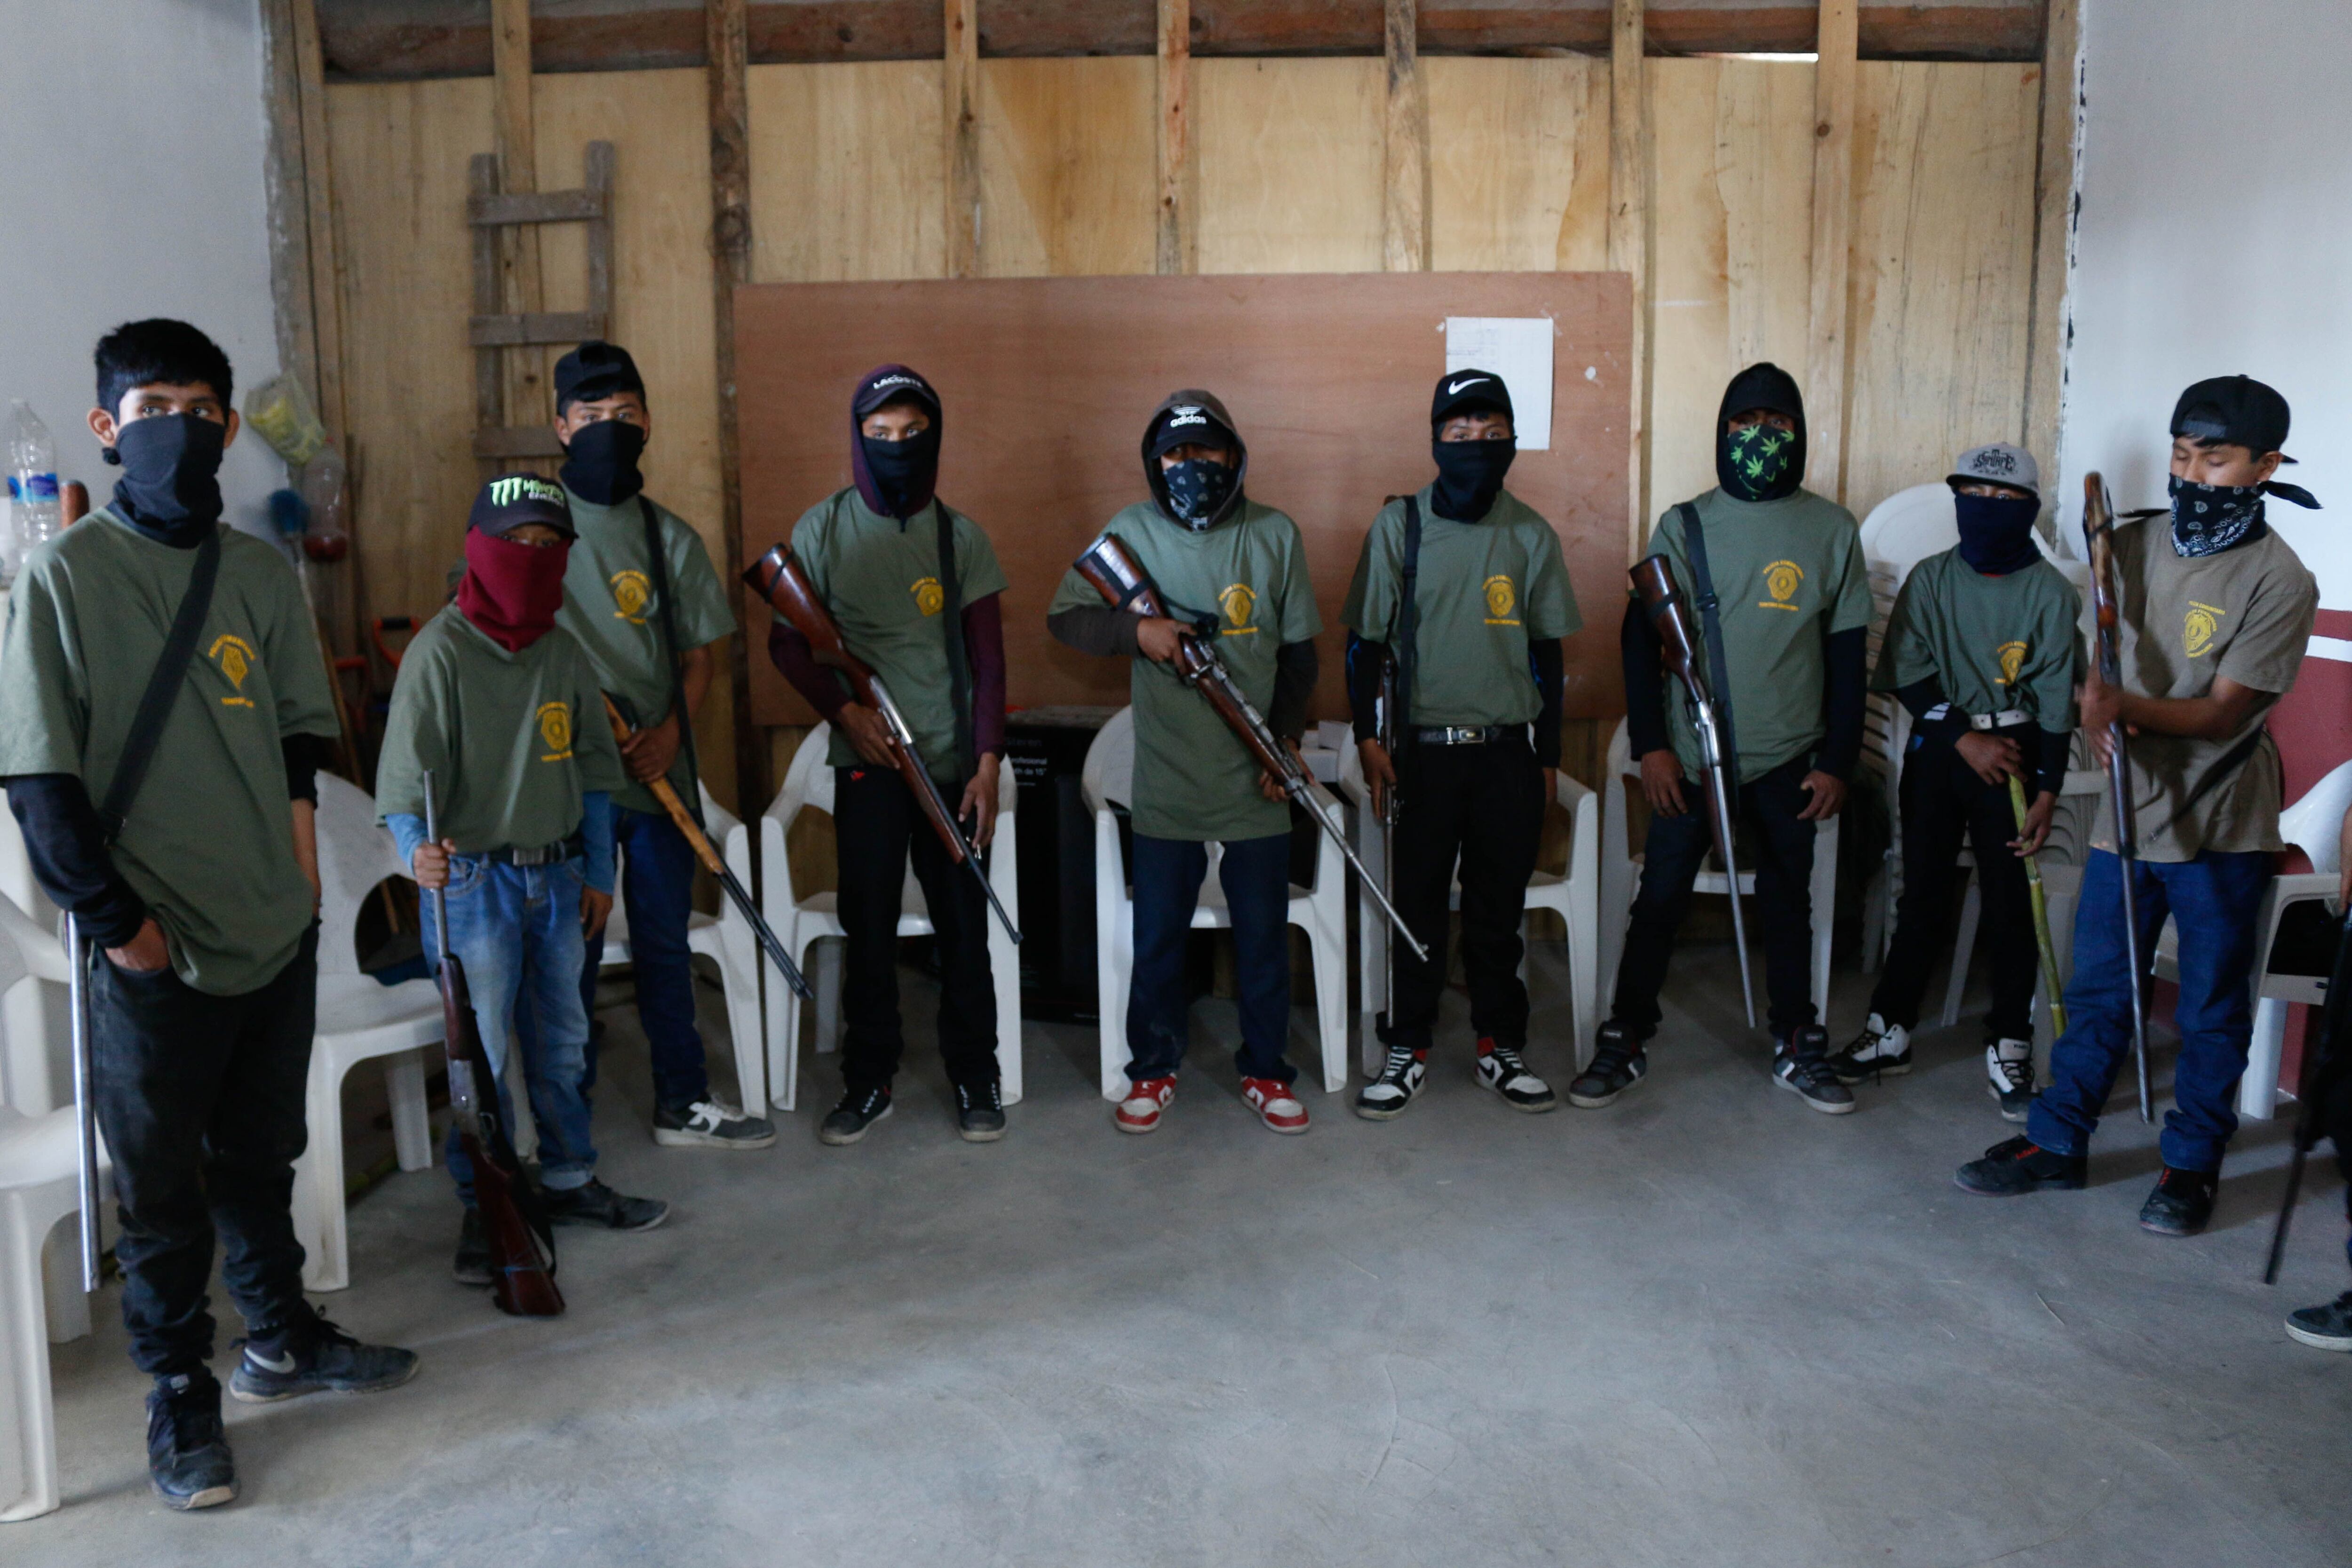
[{"x": 512, "y": 591}]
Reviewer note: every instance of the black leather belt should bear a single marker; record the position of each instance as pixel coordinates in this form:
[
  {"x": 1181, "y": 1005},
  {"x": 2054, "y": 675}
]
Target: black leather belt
[
  {"x": 545, "y": 855},
  {"x": 1463, "y": 734}
]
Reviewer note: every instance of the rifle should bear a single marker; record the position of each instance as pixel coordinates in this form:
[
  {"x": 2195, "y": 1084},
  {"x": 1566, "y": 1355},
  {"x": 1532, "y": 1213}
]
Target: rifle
[
  {"x": 2322, "y": 1063},
  {"x": 779, "y": 579},
  {"x": 1384, "y": 722},
  {"x": 2041, "y": 912},
  {"x": 77, "y": 957},
  {"x": 1662, "y": 600},
  {"x": 713, "y": 861},
  {"x": 522, "y": 1240},
  {"x": 2098, "y": 538},
  {"x": 1120, "y": 579}
]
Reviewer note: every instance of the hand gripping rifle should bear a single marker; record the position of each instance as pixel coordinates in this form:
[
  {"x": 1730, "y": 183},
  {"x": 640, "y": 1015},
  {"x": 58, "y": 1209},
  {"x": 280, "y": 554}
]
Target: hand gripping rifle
[
  {"x": 1662, "y": 601},
  {"x": 713, "y": 861},
  {"x": 777, "y": 578},
  {"x": 2098, "y": 538},
  {"x": 2325, "y": 1061},
  {"x": 522, "y": 1240},
  {"x": 1122, "y": 580}
]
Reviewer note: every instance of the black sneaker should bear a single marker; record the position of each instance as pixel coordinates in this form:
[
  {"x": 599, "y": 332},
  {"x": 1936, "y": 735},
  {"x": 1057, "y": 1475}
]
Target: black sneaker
[
  {"x": 312, "y": 1355},
  {"x": 1618, "y": 1063},
  {"x": 187, "y": 1448},
  {"x": 2009, "y": 1077},
  {"x": 979, "y": 1112},
  {"x": 472, "y": 1264},
  {"x": 2326, "y": 1327},
  {"x": 859, "y": 1109},
  {"x": 1501, "y": 1069},
  {"x": 1385, "y": 1098},
  {"x": 1802, "y": 1065},
  {"x": 2182, "y": 1203},
  {"x": 2020, "y": 1165},
  {"x": 598, "y": 1204},
  {"x": 1881, "y": 1051},
  {"x": 710, "y": 1124}
]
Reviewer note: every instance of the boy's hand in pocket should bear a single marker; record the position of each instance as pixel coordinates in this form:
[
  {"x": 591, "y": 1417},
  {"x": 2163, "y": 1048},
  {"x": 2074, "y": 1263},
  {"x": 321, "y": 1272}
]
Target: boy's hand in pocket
[{"x": 595, "y": 909}]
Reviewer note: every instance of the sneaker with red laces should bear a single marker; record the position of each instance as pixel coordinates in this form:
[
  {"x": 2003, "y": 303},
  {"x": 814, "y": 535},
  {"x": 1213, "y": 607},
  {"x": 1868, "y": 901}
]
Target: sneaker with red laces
[
  {"x": 1275, "y": 1105},
  {"x": 1139, "y": 1111}
]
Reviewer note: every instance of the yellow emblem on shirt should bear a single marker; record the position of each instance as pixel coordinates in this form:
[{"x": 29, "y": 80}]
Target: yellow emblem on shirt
[
  {"x": 630, "y": 594},
  {"x": 1782, "y": 580},
  {"x": 930, "y": 597},
  {"x": 2198, "y": 628},
  {"x": 555, "y": 728},
  {"x": 1239, "y": 604},
  {"x": 235, "y": 656},
  {"x": 1500, "y": 596},
  {"x": 2012, "y": 659}
]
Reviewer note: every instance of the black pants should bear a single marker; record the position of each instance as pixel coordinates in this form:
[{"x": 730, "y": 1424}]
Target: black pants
[
  {"x": 1782, "y": 850},
  {"x": 1484, "y": 806},
  {"x": 201, "y": 1100},
  {"x": 875, "y": 823},
  {"x": 1943, "y": 801}
]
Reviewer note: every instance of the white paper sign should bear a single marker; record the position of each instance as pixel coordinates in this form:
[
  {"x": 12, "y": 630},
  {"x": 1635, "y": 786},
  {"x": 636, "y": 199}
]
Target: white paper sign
[{"x": 1518, "y": 349}]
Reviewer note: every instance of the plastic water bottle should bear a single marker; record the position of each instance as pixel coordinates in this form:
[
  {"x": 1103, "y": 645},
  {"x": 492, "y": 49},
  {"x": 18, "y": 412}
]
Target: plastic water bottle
[{"x": 32, "y": 484}]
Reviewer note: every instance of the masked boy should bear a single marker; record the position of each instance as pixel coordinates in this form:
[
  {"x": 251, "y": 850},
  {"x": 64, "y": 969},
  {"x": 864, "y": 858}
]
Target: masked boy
[
  {"x": 201, "y": 888},
  {"x": 1795, "y": 611},
  {"x": 1982, "y": 649},
  {"x": 1237, "y": 570},
  {"x": 913, "y": 584},
  {"x": 1479, "y": 656},
  {"x": 2214, "y": 613}
]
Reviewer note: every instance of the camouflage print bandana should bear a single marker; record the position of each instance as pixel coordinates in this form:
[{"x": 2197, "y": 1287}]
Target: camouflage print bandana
[{"x": 1759, "y": 463}]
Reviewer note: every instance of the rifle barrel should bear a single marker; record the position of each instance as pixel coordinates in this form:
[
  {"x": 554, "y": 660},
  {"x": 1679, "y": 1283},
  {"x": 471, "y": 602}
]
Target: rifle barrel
[{"x": 77, "y": 955}]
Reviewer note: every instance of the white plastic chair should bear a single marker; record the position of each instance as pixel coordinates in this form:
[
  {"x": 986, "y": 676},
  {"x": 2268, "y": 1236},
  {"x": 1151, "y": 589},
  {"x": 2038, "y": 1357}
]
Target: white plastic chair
[
  {"x": 803, "y": 922},
  {"x": 1321, "y": 911},
  {"x": 1573, "y": 894},
  {"x": 1620, "y": 878}
]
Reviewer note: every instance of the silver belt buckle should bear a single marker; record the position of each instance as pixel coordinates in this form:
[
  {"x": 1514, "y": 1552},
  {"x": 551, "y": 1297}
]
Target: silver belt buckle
[
  {"x": 530, "y": 856},
  {"x": 2003, "y": 720}
]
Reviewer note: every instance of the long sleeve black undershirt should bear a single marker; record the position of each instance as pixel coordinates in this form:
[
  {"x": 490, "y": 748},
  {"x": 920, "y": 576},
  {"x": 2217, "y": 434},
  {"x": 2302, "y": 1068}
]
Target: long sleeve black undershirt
[
  {"x": 1641, "y": 652},
  {"x": 1105, "y": 632}
]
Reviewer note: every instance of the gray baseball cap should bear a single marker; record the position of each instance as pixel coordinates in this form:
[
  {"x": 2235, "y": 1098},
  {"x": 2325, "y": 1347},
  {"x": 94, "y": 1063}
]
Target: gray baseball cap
[{"x": 1998, "y": 464}]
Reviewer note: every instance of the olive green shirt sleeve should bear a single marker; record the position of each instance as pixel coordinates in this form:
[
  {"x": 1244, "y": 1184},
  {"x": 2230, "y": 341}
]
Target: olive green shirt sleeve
[
  {"x": 297, "y": 666},
  {"x": 1903, "y": 656},
  {"x": 2267, "y": 652},
  {"x": 1851, "y": 608},
  {"x": 1374, "y": 590},
  {"x": 704, "y": 612},
  {"x": 1550, "y": 598},
  {"x": 2059, "y": 662},
  {"x": 43, "y": 705},
  {"x": 1299, "y": 619}
]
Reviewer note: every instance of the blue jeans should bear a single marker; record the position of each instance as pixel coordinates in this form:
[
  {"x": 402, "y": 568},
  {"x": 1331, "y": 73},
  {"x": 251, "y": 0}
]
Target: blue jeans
[
  {"x": 1255, "y": 876},
  {"x": 516, "y": 928},
  {"x": 658, "y": 889},
  {"x": 2214, "y": 900}
]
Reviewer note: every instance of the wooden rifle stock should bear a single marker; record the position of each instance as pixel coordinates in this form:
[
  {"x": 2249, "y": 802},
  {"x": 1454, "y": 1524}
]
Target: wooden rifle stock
[{"x": 2098, "y": 540}]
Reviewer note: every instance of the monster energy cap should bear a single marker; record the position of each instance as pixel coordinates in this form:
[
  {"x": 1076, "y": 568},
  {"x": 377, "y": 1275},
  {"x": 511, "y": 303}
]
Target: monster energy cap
[
  {"x": 509, "y": 501},
  {"x": 1998, "y": 464}
]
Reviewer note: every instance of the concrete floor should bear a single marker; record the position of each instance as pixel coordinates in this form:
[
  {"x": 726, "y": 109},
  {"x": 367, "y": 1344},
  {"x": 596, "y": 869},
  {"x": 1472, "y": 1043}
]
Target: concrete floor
[{"x": 1705, "y": 1326}]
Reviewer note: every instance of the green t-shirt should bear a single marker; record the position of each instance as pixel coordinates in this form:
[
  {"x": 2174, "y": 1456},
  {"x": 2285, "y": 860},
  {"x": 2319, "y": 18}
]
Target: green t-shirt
[
  {"x": 209, "y": 845},
  {"x": 514, "y": 740},
  {"x": 1993, "y": 644},
  {"x": 1195, "y": 780},
  {"x": 610, "y": 608},
  {"x": 1481, "y": 592},
  {"x": 879, "y": 578},
  {"x": 1789, "y": 574}
]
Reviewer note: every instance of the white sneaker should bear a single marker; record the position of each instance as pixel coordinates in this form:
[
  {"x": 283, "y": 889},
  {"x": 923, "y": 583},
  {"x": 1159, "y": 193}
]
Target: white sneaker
[
  {"x": 1882, "y": 1049},
  {"x": 2009, "y": 1067}
]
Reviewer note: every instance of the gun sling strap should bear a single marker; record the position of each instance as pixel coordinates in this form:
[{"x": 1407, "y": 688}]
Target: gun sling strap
[
  {"x": 951, "y": 629},
  {"x": 657, "y": 568},
  {"x": 1717, "y": 676},
  {"x": 163, "y": 685}
]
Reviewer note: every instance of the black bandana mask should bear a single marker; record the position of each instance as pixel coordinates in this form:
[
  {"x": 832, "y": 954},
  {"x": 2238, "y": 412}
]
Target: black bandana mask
[
  {"x": 904, "y": 472},
  {"x": 1759, "y": 463},
  {"x": 170, "y": 488},
  {"x": 1469, "y": 477},
  {"x": 599, "y": 462},
  {"x": 1197, "y": 488},
  {"x": 1997, "y": 532},
  {"x": 2210, "y": 519}
]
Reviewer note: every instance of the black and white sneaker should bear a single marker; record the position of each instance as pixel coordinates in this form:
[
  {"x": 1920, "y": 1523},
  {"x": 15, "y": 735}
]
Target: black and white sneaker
[
  {"x": 1618, "y": 1063},
  {"x": 187, "y": 1447},
  {"x": 315, "y": 1355},
  {"x": 980, "y": 1111},
  {"x": 2326, "y": 1327},
  {"x": 594, "y": 1203},
  {"x": 1801, "y": 1065},
  {"x": 1500, "y": 1069},
  {"x": 1385, "y": 1098},
  {"x": 2009, "y": 1067},
  {"x": 1882, "y": 1049},
  {"x": 859, "y": 1109},
  {"x": 710, "y": 1124}
]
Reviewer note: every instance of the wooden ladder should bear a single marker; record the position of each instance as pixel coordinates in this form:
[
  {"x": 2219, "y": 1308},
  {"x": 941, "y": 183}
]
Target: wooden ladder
[{"x": 490, "y": 212}]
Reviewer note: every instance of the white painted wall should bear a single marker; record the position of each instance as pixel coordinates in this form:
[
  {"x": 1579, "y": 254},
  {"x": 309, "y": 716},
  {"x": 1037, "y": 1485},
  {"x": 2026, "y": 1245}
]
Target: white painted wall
[
  {"x": 132, "y": 184},
  {"x": 2215, "y": 239}
]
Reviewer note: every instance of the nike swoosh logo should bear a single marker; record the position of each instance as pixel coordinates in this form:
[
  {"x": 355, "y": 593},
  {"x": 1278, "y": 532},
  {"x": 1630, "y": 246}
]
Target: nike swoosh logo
[
  {"x": 281, "y": 1366},
  {"x": 1453, "y": 388}
]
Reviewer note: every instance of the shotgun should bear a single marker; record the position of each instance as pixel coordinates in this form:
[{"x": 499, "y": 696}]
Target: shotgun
[
  {"x": 778, "y": 580},
  {"x": 514, "y": 1223},
  {"x": 77, "y": 957},
  {"x": 1120, "y": 579},
  {"x": 2098, "y": 538},
  {"x": 1662, "y": 600}
]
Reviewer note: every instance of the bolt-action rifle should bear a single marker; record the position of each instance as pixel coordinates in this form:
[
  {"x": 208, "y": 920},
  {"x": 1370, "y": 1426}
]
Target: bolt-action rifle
[{"x": 2098, "y": 539}]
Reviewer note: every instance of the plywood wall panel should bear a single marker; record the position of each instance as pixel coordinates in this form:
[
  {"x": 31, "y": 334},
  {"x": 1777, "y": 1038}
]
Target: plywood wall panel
[
  {"x": 1289, "y": 173},
  {"x": 1067, "y": 167},
  {"x": 1518, "y": 163},
  {"x": 848, "y": 172}
]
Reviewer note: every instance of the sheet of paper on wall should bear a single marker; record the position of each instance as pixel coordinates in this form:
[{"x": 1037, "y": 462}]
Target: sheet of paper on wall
[{"x": 1518, "y": 349}]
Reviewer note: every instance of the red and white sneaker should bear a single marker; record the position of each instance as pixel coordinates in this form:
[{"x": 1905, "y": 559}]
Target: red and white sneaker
[
  {"x": 1139, "y": 1111},
  {"x": 1275, "y": 1105}
]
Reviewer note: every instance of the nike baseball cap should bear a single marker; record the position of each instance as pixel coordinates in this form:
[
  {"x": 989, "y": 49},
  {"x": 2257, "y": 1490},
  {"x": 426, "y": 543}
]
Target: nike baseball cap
[
  {"x": 1998, "y": 464},
  {"x": 1469, "y": 391}
]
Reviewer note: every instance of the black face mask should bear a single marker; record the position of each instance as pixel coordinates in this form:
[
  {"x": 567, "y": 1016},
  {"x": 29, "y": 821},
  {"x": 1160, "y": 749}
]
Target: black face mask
[
  {"x": 905, "y": 472},
  {"x": 170, "y": 488},
  {"x": 1197, "y": 491},
  {"x": 600, "y": 463},
  {"x": 1759, "y": 463},
  {"x": 1997, "y": 532},
  {"x": 1469, "y": 477}
]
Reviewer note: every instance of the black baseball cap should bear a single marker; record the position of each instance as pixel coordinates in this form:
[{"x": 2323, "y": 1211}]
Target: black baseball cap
[
  {"x": 509, "y": 501},
  {"x": 1467, "y": 390},
  {"x": 2236, "y": 410},
  {"x": 596, "y": 370}
]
